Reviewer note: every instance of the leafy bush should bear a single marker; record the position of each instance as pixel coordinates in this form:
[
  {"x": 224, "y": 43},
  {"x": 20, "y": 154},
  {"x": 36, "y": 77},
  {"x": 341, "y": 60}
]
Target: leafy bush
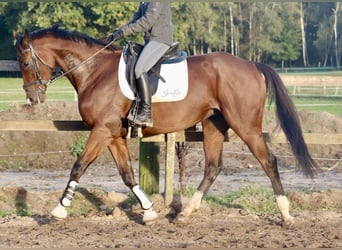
[{"x": 78, "y": 146}]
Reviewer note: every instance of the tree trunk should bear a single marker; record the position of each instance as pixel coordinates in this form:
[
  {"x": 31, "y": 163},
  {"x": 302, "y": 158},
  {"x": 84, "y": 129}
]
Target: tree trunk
[
  {"x": 225, "y": 31},
  {"x": 302, "y": 27},
  {"x": 336, "y": 10},
  {"x": 251, "y": 40},
  {"x": 328, "y": 50},
  {"x": 231, "y": 31},
  {"x": 194, "y": 51}
]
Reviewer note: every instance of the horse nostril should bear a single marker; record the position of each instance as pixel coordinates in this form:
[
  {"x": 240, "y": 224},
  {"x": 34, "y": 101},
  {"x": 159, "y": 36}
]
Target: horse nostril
[{"x": 29, "y": 100}]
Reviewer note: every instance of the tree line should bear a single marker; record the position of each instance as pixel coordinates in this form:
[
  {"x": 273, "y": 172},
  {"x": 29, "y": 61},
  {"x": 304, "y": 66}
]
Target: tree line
[{"x": 281, "y": 34}]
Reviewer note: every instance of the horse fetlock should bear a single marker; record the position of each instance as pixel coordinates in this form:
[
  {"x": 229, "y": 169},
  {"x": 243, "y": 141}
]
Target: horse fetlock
[
  {"x": 144, "y": 201},
  {"x": 284, "y": 206},
  {"x": 195, "y": 201}
]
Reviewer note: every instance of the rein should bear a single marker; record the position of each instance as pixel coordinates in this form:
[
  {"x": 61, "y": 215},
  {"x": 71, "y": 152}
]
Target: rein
[{"x": 35, "y": 56}]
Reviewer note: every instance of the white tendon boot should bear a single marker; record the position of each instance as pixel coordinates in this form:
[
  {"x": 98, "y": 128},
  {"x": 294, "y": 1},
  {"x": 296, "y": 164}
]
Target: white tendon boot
[
  {"x": 60, "y": 210},
  {"x": 146, "y": 204}
]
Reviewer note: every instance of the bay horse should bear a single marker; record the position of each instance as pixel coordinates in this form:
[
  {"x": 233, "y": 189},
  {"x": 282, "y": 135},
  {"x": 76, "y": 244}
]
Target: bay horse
[{"x": 224, "y": 92}]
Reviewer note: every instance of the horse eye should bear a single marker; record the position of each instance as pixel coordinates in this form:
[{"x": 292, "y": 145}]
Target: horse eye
[{"x": 26, "y": 64}]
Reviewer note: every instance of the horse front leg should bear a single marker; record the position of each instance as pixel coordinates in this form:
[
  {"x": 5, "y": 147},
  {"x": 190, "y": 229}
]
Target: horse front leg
[
  {"x": 97, "y": 141},
  {"x": 120, "y": 153}
]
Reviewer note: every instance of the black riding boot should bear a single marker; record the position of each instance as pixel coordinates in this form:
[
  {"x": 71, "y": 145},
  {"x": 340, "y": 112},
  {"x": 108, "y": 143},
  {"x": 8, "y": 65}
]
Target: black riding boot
[{"x": 144, "y": 114}]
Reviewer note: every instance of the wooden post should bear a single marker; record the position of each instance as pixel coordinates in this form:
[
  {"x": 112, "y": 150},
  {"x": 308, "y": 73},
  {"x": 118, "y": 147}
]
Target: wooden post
[
  {"x": 149, "y": 166},
  {"x": 169, "y": 167}
]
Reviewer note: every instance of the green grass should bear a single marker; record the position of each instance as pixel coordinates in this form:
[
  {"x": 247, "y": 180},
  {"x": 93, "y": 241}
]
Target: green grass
[
  {"x": 260, "y": 200},
  {"x": 252, "y": 198},
  {"x": 330, "y": 105},
  {"x": 11, "y": 92},
  {"x": 322, "y": 104},
  {"x": 314, "y": 73}
]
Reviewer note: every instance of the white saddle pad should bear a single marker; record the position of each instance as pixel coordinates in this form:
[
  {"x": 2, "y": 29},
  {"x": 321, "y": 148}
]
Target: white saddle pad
[{"x": 174, "y": 89}]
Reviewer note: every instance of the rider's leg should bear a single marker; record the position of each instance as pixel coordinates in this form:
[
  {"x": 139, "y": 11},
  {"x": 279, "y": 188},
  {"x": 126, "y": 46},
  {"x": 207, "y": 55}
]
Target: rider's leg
[
  {"x": 144, "y": 113},
  {"x": 149, "y": 56}
]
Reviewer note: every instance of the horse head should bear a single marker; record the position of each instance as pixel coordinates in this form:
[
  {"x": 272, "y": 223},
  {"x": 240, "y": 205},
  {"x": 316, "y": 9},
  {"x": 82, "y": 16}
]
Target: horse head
[{"x": 36, "y": 72}]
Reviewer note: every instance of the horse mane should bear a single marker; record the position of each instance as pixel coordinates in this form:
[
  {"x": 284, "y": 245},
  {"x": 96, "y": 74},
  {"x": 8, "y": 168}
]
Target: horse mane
[{"x": 75, "y": 36}]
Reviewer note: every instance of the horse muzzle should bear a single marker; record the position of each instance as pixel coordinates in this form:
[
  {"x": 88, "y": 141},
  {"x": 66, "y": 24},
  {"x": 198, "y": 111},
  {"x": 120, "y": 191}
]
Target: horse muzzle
[{"x": 35, "y": 96}]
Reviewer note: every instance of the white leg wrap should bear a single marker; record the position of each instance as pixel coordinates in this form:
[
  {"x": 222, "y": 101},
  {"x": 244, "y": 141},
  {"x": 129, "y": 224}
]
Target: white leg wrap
[
  {"x": 142, "y": 197},
  {"x": 69, "y": 194},
  {"x": 59, "y": 211}
]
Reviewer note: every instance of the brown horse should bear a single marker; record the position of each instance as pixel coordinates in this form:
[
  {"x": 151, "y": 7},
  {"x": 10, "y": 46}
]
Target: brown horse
[{"x": 224, "y": 92}]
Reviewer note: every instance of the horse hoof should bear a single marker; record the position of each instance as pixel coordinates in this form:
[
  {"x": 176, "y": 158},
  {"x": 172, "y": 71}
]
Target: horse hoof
[
  {"x": 149, "y": 216},
  {"x": 288, "y": 223},
  {"x": 59, "y": 212},
  {"x": 181, "y": 219}
]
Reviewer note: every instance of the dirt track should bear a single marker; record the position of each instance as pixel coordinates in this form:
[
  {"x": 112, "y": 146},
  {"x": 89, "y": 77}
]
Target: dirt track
[
  {"x": 118, "y": 226},
  {"x": 208, "y": 227}
]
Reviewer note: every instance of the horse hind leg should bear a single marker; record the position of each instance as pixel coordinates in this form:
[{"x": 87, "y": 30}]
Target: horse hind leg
[
  {"x": 268, "y": 161},
  {"x": 213, "y": 133}
]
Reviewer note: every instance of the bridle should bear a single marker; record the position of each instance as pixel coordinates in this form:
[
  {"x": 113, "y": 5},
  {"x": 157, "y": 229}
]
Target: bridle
[{"x": 35, "y": 58}]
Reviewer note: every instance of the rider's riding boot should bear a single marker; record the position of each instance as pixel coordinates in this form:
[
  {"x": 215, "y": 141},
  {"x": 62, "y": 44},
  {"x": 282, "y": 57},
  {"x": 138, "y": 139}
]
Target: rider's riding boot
[{"x": 144, "y": 114}]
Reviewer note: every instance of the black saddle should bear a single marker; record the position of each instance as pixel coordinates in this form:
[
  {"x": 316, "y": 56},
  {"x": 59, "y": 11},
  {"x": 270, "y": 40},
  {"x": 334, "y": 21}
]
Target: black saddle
[{"x": 131, "y": 52}]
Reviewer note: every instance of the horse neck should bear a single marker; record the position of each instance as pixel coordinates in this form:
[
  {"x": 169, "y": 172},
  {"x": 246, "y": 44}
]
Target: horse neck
[{"x": 70, "y": 56}]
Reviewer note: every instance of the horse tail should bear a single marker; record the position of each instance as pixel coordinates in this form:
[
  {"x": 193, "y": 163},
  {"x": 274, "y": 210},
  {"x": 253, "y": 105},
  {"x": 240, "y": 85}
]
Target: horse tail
[{"x": 288, "y": 119}]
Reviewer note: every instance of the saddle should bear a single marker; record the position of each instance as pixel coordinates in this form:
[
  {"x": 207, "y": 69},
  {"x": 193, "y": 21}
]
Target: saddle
[{"x": 131, "y": 52}]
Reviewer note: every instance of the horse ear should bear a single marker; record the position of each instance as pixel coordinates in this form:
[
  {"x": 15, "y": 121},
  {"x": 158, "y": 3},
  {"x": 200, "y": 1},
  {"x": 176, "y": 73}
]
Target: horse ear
[
  {"x": 16, "y": 35},
  {"x": 26, "y": 38}
]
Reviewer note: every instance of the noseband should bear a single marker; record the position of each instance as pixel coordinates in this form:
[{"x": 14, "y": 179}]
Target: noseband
[{"x": 35, "y": 59}]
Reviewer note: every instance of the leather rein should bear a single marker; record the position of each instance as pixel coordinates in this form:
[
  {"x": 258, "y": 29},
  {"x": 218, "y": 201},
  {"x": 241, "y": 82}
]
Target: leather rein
[{"x": 36, "y": 58}]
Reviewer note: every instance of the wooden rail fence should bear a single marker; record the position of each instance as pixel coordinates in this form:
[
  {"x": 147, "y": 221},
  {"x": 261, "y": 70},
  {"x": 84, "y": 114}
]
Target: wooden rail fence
[
  {"x": 9, "y": 65},
  {"x": 147, "y": 161}
]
